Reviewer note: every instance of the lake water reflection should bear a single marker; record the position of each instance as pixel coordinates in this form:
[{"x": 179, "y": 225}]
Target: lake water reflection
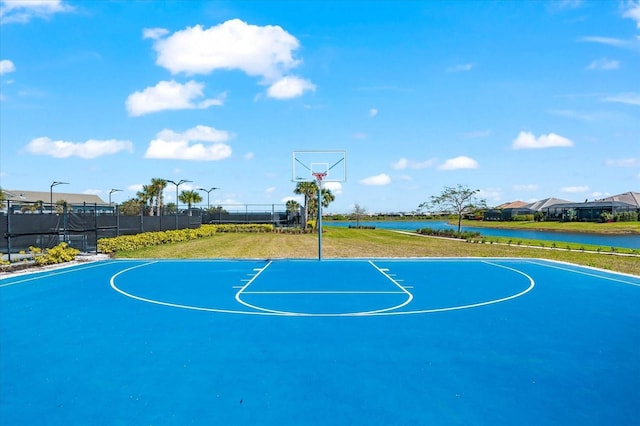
[{"x": 625, "y": 241}]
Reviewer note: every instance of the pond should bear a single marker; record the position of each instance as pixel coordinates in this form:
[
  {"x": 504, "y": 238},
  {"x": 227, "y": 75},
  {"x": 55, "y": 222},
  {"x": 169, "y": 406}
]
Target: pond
[{"x": 624, "y": 241}]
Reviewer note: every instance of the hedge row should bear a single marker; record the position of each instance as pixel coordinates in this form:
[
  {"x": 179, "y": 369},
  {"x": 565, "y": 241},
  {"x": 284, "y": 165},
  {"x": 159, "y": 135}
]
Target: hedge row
[
  {"x": 449, "y": 233},
  {"x": 148, "y": 239}
]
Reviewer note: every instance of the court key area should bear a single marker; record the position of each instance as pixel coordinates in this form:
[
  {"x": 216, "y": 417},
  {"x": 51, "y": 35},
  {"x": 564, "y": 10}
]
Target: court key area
[{"x": 358, "y": 341}]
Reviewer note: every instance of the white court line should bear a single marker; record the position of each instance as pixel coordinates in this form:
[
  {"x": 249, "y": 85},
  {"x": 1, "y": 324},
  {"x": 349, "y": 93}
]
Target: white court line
[
  {"x": 532, "y": 284},
  {"x": 53, "y": 274},
  {"x": 584, "y": 273},
  {"x": 387, "y": 311},
  {"x": 323, "y": 292},
  {"x": 364, "y": 313},
  {"x": 173, "y": 305}
]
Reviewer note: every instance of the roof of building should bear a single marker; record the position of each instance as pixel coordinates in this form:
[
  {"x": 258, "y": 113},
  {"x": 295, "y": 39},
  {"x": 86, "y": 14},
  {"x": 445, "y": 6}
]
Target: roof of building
[
  {"x": 632, "y": 198},
  {"x": 592, "y": 205},
  {"x": 512, "y": 205},
  {"x": 545, "y": 203},
  {"x": 33, "y": 196}
]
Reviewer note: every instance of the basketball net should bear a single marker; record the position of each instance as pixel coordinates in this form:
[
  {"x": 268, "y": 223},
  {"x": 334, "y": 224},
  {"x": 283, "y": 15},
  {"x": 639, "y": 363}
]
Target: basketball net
[{"x": 319, "y": 176}]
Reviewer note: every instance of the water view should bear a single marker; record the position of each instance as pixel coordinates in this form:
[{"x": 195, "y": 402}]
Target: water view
[{"x": 625, "y": 241}]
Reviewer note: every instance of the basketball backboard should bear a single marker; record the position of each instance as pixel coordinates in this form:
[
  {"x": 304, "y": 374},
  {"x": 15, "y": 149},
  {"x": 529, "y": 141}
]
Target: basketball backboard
[{"x": 329, "y": 166}]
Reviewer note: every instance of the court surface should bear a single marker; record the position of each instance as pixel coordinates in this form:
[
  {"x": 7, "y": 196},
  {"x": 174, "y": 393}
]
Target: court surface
[{"x": 332, "y": 342}]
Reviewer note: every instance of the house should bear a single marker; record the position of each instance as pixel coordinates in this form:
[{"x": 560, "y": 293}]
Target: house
[
  {"x": 507, "y": 211},
  {"x": 564, "y": 210},
  {"x": 44, "y": 202}
]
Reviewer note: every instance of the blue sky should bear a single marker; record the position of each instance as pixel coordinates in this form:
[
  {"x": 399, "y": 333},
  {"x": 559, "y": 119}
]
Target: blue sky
[{"x": 522, "y": 100}]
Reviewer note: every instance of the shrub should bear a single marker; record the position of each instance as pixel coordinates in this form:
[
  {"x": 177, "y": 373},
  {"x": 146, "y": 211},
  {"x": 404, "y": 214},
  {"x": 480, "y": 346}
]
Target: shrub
[
  {"x": 522, "y": 218},
  {"x": 449, "y": 233},
  {"x": 58, "y": 254},
  {"x": 148, "y": 239}
]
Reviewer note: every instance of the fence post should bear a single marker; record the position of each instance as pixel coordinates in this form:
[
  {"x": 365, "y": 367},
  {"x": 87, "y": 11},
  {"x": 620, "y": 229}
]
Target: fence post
[
  {"x": 141, "y": 219},
  {"x": 117, "y": 220},
  {"x": 95, "y": 223},
  {"x": 9, "y": 230},
  {"x": 65, "y": 219}
]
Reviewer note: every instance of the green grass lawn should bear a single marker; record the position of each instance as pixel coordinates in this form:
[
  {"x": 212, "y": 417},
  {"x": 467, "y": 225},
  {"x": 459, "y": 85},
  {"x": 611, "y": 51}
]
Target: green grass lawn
[
  {"x": 592, "y": 227},
  {"x": 341, "y": 242}
]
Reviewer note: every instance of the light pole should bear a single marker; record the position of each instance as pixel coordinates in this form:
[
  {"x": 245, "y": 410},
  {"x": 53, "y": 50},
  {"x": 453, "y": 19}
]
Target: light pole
[
  {"x": 208, "y": 191},
  {"x": 111, "y": 192},
  {"x": 55, "y": 183},
  {"x": 177, "y": 184}
]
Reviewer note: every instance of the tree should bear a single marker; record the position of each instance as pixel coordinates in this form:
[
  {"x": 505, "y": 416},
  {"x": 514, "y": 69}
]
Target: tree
[
  {"x": 158, "y": 185},
  {"x": 326, "y": 197},
  {"x": 293, "y": 206},
  {"x": 309, "y": 190},
  {"x": 358, "y": 211},
  {"x": 189, "y": 197},
  {"x": 458, "y": 200},
  {"x": 131, "y": 207},
  {"x": 146, "y": 197}
]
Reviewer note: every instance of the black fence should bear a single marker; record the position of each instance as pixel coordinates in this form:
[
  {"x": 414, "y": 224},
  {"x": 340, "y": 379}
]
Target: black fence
[{"x": 27, "y": 225}]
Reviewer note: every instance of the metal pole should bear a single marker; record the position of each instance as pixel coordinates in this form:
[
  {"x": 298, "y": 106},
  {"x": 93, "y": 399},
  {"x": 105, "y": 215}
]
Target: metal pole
[
  {"x": 9, "y": 231},
  {"x": 319, "y": 222}
]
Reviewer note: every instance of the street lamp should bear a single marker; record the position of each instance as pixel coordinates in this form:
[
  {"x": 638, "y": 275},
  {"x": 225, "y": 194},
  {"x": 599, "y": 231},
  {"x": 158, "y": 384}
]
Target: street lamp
[
  {"x": 55, "y": 183},
  {"x": 208, "y": 191},
  {"x": 111, "y": 192},
  {"x": 177, "y": 184}
]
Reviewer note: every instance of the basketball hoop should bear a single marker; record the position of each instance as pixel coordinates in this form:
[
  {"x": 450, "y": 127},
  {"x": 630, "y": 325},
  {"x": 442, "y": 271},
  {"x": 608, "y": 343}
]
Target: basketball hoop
[{"x": 319, "y": 176}]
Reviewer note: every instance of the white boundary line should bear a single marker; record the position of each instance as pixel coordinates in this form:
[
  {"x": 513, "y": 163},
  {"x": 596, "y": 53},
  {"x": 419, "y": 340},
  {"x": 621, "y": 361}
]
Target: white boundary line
[
  {"x": 59, "y": 272},
  {"x": 584, "y": 273}
]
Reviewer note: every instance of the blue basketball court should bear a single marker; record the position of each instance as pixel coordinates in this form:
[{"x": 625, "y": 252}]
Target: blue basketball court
[{"x": 380, "y": 341}]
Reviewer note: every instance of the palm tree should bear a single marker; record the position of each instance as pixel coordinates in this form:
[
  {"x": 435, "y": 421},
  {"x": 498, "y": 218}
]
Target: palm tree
[
  {"x": 158, "y": 186},
  {"x": 293, "y": 206},
  {"x": 190, "y": 197},
  {"x": 146, "y": 197},
  {"x": 327, "y": 198},
  {"x": 309, "y": 190}
]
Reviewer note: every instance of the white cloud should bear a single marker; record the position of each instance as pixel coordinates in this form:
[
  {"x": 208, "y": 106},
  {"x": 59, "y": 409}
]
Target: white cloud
[
  {"x": 169, "y": 95},
  {"x": 623, "y": 162},
  {"x": 265, "y": 51},
  {"x": 92, "y": 191},
  {"x": 136, "y": 187},
  {"x": 377, "y": 180},
  {"x": 404, "y": 163},
  {"x": 334, "y": 187},
  {"x": 633, "y": 12},
  {"x": 606, "y": 40},
  {"x": 6, "y": 66},
  {"x": 624, "y": 98},
  {"x": 23, "y": 11},
  {"x": 89, "y": 149},
  {"x": 493, "y": 194},
  {"x": 298, "y": 198},
  {"x": 373, "y": 112},
  {"x": 249, "y": 156},
  {"x": 527, "y": 140},
  {"x": 604, "y": 64},
  {"x": 461, "y": 162},
  {"x": 270, "y": 190},
  {"x": 530, "y": 187},
  {"x": 170, "y": 145},
  {"x": 575, "y": 189},
  {"x": 460, "y": 68},
  {"x": 154, "y": 33},
  {"x": 289, "y": 87}
]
